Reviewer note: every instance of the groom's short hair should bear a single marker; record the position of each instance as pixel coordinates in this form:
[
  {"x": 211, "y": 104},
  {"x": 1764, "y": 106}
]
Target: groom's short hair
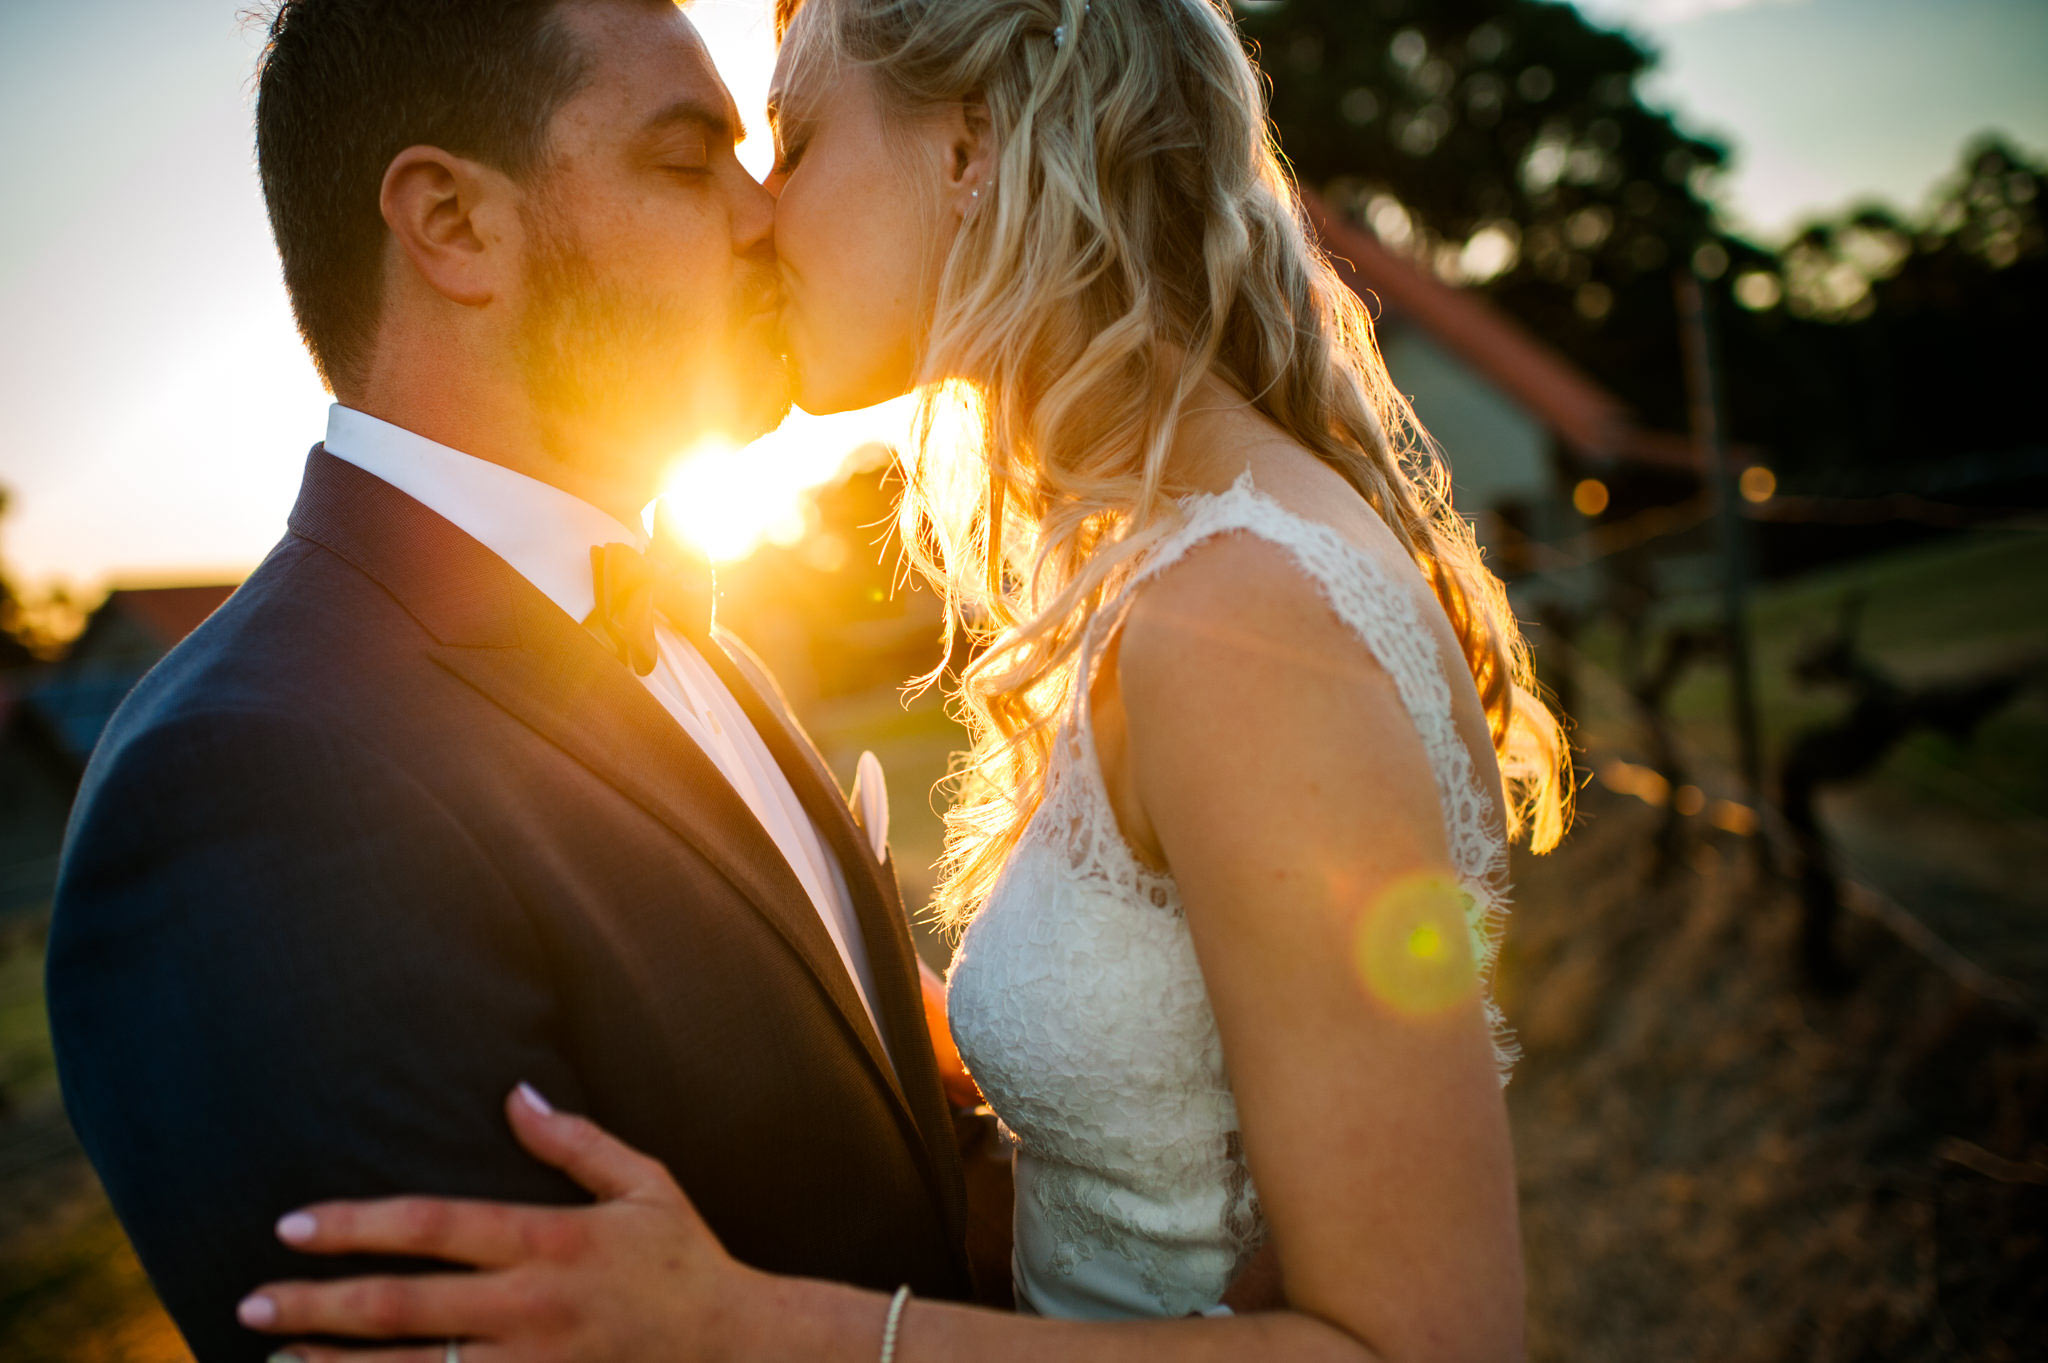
[{"x": 343, "y": 86}]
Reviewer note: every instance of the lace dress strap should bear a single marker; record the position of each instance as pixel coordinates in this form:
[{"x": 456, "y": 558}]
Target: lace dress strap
[{"x": 1386, "y": 616}]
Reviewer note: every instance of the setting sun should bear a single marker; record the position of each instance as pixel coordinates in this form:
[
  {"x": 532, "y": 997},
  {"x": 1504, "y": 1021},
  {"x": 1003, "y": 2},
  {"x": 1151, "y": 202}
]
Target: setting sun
[
  {"x": 727, "y": 500},
  {"x": 713, "y": 502}
]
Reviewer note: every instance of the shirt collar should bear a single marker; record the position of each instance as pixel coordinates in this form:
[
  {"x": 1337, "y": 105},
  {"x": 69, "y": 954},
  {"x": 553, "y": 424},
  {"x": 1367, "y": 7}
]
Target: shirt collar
[{"x": 544, "y": 533}]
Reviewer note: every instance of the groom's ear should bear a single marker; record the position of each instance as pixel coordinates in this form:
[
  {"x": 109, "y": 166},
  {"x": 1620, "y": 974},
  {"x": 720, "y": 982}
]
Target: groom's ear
[{"x": 456, "y": 220}]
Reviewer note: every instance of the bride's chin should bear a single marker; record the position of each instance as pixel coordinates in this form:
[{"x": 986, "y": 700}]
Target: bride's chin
[
  {"x": 829, "y": 406},
  {"x": 827, "y": 395}
]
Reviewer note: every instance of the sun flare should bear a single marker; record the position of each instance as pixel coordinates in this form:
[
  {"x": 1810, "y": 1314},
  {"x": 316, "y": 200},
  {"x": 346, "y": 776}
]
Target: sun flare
[
  {"x": 726, "y": 500},
  {"x": 712, "y": 504}
]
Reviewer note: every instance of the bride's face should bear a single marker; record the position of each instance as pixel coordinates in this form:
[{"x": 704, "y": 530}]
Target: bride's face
[{"x": 867, "y": 206}]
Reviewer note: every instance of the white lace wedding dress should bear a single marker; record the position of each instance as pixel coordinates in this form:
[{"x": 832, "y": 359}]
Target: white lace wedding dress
[{"x": 1078, "y": 1005}]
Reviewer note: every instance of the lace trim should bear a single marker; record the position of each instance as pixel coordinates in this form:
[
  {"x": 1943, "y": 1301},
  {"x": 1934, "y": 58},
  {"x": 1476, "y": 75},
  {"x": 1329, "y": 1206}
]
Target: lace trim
[
  {"x": 1098, "y": 839},
  {"x": 1389, "y": 621}
]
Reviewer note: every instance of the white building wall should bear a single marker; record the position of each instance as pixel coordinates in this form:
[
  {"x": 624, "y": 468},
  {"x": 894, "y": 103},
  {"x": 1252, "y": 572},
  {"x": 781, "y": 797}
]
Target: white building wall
[{"x": 1496, "y": 451}]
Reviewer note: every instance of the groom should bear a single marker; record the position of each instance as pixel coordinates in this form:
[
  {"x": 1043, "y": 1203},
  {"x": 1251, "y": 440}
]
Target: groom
[{"x": 436, "y": 803}]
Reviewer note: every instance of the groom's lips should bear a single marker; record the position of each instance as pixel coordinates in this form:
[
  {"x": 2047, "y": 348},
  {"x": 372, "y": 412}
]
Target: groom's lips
[
  {"x": 766, "y": 309},
  {"x": 763, "y": 326}
]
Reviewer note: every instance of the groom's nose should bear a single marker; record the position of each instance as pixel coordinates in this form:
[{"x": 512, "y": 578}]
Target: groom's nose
[{"x": 753, "y": 218}]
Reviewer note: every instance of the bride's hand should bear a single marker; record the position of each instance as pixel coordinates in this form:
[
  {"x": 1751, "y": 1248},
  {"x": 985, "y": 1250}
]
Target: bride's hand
[{"x": 637, "y": 1275}]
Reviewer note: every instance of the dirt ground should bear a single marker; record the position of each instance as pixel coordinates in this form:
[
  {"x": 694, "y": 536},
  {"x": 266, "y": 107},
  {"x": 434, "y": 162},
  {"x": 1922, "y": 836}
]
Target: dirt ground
[{"x": 1716, "y": 1165}]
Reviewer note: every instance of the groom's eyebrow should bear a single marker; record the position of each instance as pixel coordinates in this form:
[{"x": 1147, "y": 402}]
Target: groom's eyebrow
[{"x": 715, "y": 120}]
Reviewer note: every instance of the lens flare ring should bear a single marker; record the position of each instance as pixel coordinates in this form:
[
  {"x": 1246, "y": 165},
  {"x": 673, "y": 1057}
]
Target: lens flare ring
[{"x": 1416, "y": 945}]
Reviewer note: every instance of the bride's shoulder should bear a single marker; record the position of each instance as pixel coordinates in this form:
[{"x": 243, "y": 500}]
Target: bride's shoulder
[
  {"x": 1268, "y": 551},
  {"x": 1237, "y": 676},
  {"x": 1241, "y": 597},
  {"x": 1281, "y": 583}
]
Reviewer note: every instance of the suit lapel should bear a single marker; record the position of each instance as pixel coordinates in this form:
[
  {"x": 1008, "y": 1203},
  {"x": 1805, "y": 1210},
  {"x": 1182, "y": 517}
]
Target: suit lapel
[
  {"x": 579, "y": 697},
  {"x": 501, "y": 636},
  {"x": 884, "y": 925}
]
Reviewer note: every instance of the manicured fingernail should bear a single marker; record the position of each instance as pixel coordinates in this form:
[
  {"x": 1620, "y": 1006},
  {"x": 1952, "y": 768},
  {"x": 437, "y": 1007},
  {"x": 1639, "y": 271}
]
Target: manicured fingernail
[
  {"x": 530, "y": 1096},
  {"x": 297, "y": 1228},
  {"x": 257, "y": 1312},
  {"x": 284, "y": 1356}
]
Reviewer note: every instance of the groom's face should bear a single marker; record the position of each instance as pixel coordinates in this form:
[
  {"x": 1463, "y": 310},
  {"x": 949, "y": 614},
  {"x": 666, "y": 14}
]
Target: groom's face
[{"x": 648, "y": 311}]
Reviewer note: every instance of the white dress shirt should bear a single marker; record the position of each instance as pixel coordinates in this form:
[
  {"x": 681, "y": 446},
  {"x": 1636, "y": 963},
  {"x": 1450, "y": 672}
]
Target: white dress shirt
[{"x": 546, "y": 535}]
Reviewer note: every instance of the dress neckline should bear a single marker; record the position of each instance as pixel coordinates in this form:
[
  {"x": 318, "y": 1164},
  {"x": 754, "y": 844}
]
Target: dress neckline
[{"x": 1243, "y": 483}]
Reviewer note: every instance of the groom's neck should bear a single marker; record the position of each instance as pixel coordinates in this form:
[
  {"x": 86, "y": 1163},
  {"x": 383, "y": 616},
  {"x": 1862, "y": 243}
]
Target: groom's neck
[{"x": 488, "y": 417}]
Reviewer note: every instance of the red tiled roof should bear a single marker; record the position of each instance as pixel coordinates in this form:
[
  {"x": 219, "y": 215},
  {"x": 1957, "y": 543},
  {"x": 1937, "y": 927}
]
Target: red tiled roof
[
  {"x": 170, "y": 613},
  {"x": 1593, "y": 421}
]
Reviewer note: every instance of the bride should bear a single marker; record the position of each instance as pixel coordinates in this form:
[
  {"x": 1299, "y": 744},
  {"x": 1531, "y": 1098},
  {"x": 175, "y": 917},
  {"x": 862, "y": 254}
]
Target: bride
[{"x": 1251, "y": 730}]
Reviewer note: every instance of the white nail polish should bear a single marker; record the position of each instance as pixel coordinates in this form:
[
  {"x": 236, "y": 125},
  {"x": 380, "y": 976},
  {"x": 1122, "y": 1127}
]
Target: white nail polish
[
  {"x": 257, "y": 1312},
  {"x": 530, "y": 1095},
  {"x": 297, "y": 1228}
]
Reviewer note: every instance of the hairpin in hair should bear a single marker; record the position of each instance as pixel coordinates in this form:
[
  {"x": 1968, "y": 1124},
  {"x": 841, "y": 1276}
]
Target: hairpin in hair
[{"x": 1059, "y": 35}]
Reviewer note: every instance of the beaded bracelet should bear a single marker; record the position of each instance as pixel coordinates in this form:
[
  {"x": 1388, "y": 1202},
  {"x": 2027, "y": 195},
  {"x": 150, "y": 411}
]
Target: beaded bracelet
[{"x": 892, "y": 1322}]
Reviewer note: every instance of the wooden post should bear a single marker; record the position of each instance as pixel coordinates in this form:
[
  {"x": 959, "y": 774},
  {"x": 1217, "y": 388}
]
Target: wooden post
[{"x": 1696, "y": 333}]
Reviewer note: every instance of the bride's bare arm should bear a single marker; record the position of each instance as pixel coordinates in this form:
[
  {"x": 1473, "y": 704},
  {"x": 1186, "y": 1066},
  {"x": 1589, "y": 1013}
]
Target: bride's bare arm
[{"x": 1292, "y": 797}]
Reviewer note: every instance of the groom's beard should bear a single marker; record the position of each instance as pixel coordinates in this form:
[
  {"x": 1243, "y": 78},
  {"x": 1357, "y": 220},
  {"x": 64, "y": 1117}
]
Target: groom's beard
[{"x": 603, "y": 357}]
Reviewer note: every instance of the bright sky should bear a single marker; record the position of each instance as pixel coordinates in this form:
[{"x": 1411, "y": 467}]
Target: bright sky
[
  {"x": 158, "y": 405},
  {"x": 1828, "y": 103}
]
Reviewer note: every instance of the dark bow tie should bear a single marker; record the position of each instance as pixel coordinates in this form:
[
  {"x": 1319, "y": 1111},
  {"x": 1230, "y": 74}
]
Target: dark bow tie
[{"x": 634, "y": 588}]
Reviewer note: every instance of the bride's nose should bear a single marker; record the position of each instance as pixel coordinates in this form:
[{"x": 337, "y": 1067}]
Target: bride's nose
[{"x": 753, "y": 216}]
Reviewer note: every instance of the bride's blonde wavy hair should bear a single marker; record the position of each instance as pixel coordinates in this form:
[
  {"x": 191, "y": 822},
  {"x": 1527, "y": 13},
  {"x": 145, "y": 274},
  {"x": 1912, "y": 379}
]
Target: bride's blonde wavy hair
[{"x": 1139, "y": 233}]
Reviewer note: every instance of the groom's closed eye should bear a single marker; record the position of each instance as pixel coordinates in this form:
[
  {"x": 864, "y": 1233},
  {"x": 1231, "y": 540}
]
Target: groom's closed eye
[
  {"x": 687, "y": 135},
  {"x": 684, "y": 153}
]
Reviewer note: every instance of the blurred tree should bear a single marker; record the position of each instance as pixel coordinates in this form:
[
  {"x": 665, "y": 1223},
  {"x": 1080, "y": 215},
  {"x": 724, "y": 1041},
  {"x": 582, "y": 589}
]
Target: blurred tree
[
  {"x": 1502, "y": 142},
  {"x": 1915, "y": 343},
  {"x": 31, "y": 632},
  {"x": 14, "y": 649},
  {"x": 1985, "y": 220},
  {"x": 1953, "y": 316}
]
